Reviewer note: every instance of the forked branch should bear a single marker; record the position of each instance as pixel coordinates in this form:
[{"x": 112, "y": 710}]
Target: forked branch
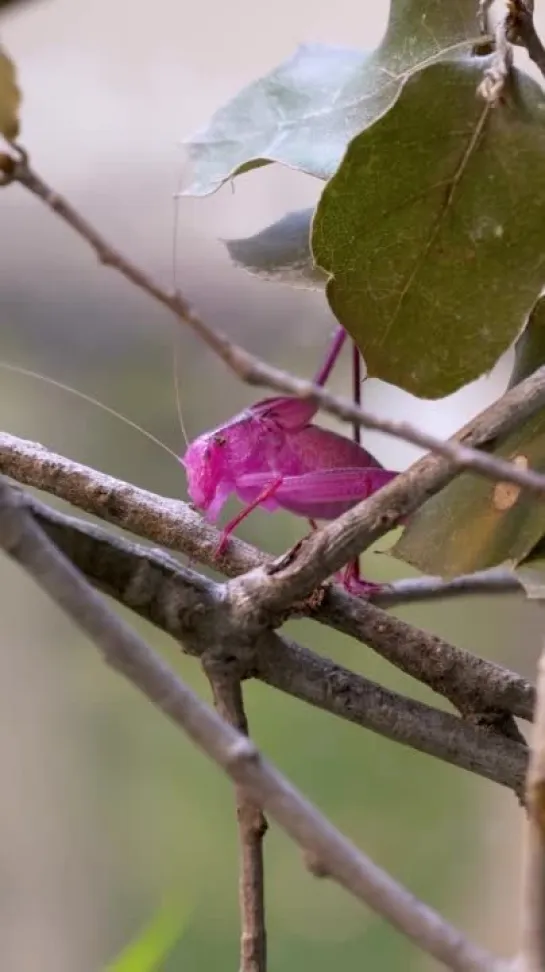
[{"x": 469, "y": 682}]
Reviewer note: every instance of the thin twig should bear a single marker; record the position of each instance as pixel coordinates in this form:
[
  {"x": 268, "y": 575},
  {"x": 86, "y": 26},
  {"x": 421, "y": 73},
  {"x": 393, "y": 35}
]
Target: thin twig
[
  {"x": 127, "y": 653},
  {"x": 470, "y": 682},
  {"x": 252, "y": 826},
  {"x": 496, "y": 580},
  {"x": 256, "y": 372},
  {"x": 154, "y": 585},
  {"x": 533, "y": 915}
]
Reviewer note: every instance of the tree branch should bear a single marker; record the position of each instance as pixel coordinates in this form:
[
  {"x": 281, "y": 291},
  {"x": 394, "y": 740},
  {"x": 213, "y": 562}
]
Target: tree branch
[
  {"x": 174, "y": 598},
  {"x": 469, "y": 682},
  {"x": 252, "y": 826},
  {"x": 256, "y": 372},
  {"x": 126, "y": 652}
]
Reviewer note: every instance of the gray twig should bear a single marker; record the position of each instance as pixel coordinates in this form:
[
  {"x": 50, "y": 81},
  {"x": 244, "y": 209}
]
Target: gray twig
[
  {"x": 496, "y": 580},
  {"x": 24, "y": 541}
]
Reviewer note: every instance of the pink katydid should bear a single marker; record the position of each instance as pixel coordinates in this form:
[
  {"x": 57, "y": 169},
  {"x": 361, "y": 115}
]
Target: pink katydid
[{"x": 272, "y": 456}]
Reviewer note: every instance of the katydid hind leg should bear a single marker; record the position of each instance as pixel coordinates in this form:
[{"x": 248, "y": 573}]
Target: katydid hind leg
[{"x": 323, "y": 494}]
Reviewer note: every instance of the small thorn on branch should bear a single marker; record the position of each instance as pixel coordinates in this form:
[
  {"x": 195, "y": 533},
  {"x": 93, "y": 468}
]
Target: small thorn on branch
[{"x": 315, "y": 865}]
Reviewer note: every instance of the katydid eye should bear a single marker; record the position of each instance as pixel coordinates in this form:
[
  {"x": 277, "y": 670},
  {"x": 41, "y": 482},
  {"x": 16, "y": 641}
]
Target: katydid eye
[{"x": 220, "y": 440}]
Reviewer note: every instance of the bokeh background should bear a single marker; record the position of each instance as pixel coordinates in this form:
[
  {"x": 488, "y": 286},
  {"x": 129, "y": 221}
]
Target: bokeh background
[{"x": 104, "y": 808}]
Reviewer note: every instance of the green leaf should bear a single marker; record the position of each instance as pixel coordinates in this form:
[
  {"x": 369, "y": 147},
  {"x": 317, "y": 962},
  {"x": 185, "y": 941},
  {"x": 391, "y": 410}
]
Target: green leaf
[
  {"x": 530, "y": 345},
  {"x": 473, "y": 523},
  {"x": 531, "y": 575},
  {"x": 304, "y": 112},
  {"x": 281, "y": 252},
  {"x": 150, "y": 949},
  {"x": 433, "y": 229},
  {"x": 10, "y": 98}
]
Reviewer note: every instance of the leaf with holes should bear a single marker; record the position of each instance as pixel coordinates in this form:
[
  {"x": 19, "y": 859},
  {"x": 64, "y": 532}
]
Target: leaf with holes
[
  {"x": 281, "y": 252},
  {"x": 10, "y": 98},
  {"x": 433, "y": 229},
  {"x": 474, "y": 523},
  {"x": 304, "y": 113}
]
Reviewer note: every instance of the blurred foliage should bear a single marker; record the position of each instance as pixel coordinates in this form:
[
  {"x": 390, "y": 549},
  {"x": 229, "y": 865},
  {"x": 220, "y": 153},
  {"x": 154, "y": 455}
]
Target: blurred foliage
[
  {"x": 148, "y": 952},
  {"x": 9, "y": 5},
  {"x": 10, "y": 98}
]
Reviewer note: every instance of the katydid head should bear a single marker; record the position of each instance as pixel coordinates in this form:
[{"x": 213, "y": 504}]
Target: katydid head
[{"x": 204, "y": 464}]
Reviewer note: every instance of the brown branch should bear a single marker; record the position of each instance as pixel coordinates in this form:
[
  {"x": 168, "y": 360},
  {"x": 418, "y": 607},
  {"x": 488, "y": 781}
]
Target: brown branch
[
  {"x": 469, "y": 682},
  {"x": 252, "y": 825},
  {"x": 24, "y": 541},
  {"x": 257, "y": 372},
  {"x": 533, "y": 916},
  {"x": 172, "y": 597}
]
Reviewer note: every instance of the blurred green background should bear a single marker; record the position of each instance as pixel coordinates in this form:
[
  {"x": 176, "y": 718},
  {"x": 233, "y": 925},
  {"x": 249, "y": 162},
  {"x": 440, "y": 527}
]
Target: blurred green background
[{"x": 105, "y": 809}]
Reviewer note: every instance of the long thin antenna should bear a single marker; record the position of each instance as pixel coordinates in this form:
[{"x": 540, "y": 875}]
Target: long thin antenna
[
  {"x": 27, "y": 373},
  {"x": 175, "y": 228}
]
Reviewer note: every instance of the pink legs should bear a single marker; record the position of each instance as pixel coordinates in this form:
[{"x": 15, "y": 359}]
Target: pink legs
[
  {"x": 350, "y": 577},
  {"x": 265, "y": 494},
  {"x": 335, "y": 349}
]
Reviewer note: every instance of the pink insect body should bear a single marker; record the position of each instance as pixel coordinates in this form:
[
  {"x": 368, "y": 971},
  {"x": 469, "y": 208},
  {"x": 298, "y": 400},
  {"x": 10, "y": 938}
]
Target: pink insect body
[{"x": 271, "y": 455}]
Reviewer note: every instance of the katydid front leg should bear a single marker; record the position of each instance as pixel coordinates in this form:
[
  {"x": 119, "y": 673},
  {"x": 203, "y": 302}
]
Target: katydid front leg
[{"x": 260, "y": 500}]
